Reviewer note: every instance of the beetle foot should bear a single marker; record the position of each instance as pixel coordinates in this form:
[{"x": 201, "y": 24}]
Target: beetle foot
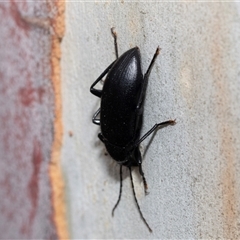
[
  {"x": 173, "y": 122},
  {"x": 158, "y": 50},
  {"x": 114, "y": 33},
  {"x": 146, "y": 192},
  {"x": 145, "y": 187}
]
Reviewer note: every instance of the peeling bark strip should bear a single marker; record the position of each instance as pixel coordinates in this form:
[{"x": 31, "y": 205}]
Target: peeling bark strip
[{"x": 54, "y": 168}]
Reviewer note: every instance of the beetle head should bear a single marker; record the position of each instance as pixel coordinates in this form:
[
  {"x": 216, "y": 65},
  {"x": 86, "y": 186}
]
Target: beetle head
[{"x": 127, "y": 156}]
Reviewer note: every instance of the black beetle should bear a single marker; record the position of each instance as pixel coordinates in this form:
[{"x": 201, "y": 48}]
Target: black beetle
[{"x": 121, "y": 111}]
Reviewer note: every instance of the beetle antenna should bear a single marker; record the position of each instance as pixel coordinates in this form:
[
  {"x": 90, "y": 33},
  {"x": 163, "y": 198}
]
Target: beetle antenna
[
  {"x": 139, "y": 210},
  {"x": 114, "y": 34},
  {"x": 120, "y": 192}
]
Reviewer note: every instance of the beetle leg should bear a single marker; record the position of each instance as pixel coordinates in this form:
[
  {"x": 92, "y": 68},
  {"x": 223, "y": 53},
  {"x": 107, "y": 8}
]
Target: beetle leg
[
  {"x": 98, "y": 92},
  {"x": 96, "y": 120},
  {"x": 138, "y": 158},
  {"x": 163, "y": 124},
  {"x": 144, "y": 179},
  {"x": 100, "y": 136},
  {"x": 145, "y": 79},
  {"x": 114, "y": 34},
  {"x": 152, "y": 62}
]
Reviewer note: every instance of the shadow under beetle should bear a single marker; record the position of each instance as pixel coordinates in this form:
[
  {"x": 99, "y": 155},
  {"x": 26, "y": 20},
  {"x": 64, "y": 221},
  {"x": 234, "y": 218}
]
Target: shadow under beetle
[{"x": 121, "y": 112}]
